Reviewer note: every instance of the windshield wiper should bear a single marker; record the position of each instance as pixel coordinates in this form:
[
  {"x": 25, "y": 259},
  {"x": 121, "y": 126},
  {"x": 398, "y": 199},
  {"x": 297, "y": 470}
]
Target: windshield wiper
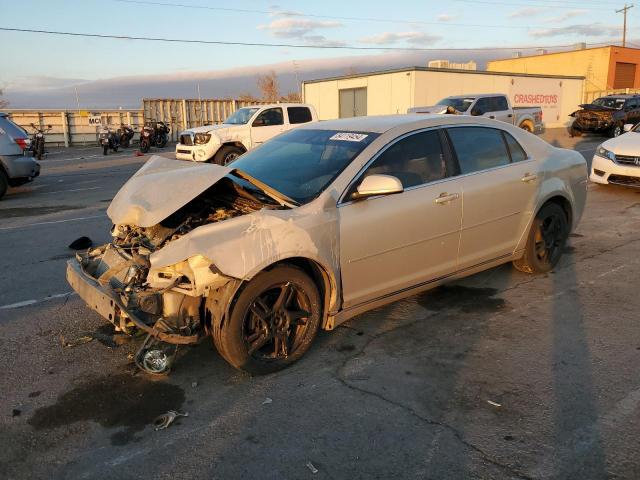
[{"x": 272, "y": 193}]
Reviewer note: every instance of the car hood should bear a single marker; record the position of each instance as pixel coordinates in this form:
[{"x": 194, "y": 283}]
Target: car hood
[
  {"x": 592, "y": 107},
  {"x": 161, "y": 187},
  {"x": 439, "y": 109},
  {"x": 212, "y": 128},
  {"x": 625, "y": 144}
]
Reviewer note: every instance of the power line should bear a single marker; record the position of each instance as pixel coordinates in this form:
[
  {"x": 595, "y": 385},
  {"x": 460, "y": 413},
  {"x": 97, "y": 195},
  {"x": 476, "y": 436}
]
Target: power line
[{"x": 281, "y": 45}]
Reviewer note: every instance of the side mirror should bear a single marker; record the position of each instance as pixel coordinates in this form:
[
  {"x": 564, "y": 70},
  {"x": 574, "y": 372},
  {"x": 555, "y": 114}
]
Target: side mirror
[
  {"x": 258, "y": 122},
  {"x": 374, "y": 185},
  {"x": 476, "y": 112},
  {"x": 628, "y": 127},
  {"x": 49, "y": 126}
]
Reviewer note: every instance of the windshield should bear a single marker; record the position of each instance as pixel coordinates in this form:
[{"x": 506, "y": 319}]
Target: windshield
[
  {"x": 616, "y": 103},
  {"x": 242, "y": 116},
  {"x": 302, "y": 163},
  {"x": 459, "y": 103}
]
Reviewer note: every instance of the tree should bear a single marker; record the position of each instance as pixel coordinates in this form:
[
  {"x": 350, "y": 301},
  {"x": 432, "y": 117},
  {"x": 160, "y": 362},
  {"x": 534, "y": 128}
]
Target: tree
[
  {"x": 3, "y": 103},
  {"x": 268, "y": 86},
  {"x": 247, "y": 97},
  {"x": 292, "y": 97}
]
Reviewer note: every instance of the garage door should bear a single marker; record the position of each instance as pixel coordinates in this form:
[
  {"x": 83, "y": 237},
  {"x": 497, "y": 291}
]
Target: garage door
[
  {"x": 353, "y": 102},
  {"x": 625, "y": 75}
]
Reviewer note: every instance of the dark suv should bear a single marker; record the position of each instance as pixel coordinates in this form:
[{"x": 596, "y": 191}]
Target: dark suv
[
  {"x": 606, "y": 115},
  {"x": 17, "y": 165}
]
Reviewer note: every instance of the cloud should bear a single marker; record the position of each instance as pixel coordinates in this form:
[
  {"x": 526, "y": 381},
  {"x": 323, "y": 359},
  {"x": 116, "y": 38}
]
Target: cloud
[
  {"x": 297, "y": 27},
  {"x": 565, "y": 16},
  {"x": 390, "y": 38},
  {"x": 526, "y": 12},
  {"x": 445, "y": 17},
  {"x": 588, "y": 30}
]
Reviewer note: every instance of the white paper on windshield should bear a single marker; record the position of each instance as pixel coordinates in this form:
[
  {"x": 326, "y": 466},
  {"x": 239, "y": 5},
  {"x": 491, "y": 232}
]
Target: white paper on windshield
[{"x": 349, "y": 136}]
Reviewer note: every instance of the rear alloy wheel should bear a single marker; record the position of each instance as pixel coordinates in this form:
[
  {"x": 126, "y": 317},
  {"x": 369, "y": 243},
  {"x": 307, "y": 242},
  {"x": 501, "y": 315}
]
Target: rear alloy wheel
[
  {"x": 546, "y": 240},
  {"x": 105, "y": 149},
  {"x": 226, "y": 155},
  {"x": 4, "y": 184},
  {"x": 273, "y": 322}
]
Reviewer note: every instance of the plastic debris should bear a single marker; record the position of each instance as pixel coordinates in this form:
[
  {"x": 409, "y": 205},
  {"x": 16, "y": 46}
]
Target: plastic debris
[
  {"x": 78, "y": 341},
  {"x": 266, "y": 401},
  {"x": 81, "y": 243},
  {"x": 313, "y": 469},
  {"x": 163, "y": 421},
  {"x": 495, "y": 404}
]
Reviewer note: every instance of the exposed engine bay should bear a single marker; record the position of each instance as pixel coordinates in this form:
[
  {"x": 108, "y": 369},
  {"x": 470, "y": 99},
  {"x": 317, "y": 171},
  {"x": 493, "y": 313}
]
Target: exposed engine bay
[{"x": 170, "y": 305}]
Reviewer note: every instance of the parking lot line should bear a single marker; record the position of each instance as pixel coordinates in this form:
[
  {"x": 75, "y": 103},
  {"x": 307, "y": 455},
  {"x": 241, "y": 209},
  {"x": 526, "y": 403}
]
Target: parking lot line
[
  {"x": 26, "y": 303},
  {"x": 70, "y": 190},
  {"x": 51, "y": 222}
]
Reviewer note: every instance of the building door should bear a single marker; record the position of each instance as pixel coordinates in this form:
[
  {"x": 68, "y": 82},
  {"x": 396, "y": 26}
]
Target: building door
[
  {"x": 625, "y": 75},
  {"x": 353, "y": 102}
]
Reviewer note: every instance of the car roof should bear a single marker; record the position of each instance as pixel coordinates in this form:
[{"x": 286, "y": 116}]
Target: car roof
[
  {"x": 622, "y": 95},
  {"x": 270, "y": 105},
  {"x": 384, "y": 123}
]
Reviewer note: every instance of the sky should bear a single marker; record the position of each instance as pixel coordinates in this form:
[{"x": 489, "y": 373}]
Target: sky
[{"x": 34, "y": 61}]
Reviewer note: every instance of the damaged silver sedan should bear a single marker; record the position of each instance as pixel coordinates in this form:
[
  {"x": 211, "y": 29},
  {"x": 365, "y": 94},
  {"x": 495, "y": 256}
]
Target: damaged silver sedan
[{"x": 320, "y": 224}]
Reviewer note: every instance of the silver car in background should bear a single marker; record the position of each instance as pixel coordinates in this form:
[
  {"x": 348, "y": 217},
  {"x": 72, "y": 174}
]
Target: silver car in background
[
  {"x": 17, "y": 165},
  {"x": 321, "y": 224}
]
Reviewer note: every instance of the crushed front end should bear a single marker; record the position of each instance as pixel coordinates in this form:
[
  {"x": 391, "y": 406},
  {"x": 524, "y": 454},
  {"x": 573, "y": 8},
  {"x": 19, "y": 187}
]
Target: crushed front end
[{"x": 174, "y": 305}]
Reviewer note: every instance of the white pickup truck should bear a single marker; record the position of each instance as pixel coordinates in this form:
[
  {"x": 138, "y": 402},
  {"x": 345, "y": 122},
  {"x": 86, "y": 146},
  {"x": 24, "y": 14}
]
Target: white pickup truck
[
  {"x": 245, "y": 129},
  {"x": 491, "y": 105}
]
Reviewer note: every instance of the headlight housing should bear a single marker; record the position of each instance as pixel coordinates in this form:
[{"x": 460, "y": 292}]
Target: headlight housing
[
  {"x": 201, "y": 138},
  {"x": 604, "y": 153}
]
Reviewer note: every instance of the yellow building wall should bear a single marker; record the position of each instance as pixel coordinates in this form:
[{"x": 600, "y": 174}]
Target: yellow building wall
[{"x": 591, "y": 63}]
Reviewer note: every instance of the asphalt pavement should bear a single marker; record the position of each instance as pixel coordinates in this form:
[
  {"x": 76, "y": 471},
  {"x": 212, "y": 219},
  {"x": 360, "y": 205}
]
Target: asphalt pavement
[{"x": 503, "y": 375}]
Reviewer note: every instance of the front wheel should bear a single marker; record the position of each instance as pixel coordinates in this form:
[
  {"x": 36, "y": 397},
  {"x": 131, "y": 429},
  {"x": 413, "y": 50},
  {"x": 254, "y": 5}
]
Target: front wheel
[
  {"x": 144, "y": 145},
  {"x": 527, "y": 126},
  {"x": 226, "y": 155},
  {"x": 546, "y": 240},
  {"x": 616, "y": 131},
  {"x": 273, "y": 322},
  {"x": 4, "y": 184},
  {"x": 162, "y": 141},
  {"x": 105, "y": 149}
]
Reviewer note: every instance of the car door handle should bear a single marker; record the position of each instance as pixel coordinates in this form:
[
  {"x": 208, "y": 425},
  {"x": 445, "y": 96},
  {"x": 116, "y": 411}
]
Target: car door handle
[
  {"x": 492, "y": 117},
  {"x": 446, "y": 198},
  {"x": 510, "y": 115},
  {"x": 529, "y": 177}
]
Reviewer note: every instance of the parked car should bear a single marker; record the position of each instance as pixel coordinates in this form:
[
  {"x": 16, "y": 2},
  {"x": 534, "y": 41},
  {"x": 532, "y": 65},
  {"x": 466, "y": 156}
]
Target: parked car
[
  {"x": 617, "y": 160},
  {"x": 245, "y": 129},
  {"x": 606, "y": 115},
  {"x": 495, "y": 106},
  {"x": 17, "y": 165},
  {"x": 320, "y": 224}
]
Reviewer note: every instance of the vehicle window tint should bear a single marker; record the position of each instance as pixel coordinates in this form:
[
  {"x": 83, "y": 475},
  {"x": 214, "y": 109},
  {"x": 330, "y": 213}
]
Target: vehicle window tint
[
  {"x": 13, "y": 130},
  {"x": 299, "y": 115},
  {"x": 272, "y": 116},
  {"x": 517, "y": 152},
  {"x": 483, "y": 105},
  {"x": 414, "y": 160},
  {"x": 500, "y": 104},
  {"x": 478, "y": 148}
]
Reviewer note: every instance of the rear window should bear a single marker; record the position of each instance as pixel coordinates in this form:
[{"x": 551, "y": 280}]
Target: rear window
[
  {"x": 13, "y": 130},
  {"x": 478, "y": 148},
  {"x": 517, "y": 152},
  {"x": 299, "y": 115}
]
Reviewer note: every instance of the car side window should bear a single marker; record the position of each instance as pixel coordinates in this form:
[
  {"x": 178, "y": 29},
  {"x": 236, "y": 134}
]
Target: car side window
[
  {"x": 299, "y": 115},
  {"x": 414, "y": 160},
  {"x": 517, "y": 152},
  {"x": 500, "y": 104},
  {"x": 482, "y": 106},
  {"x": 478, "y": 148},
  {"x": 270, "y": 117}
]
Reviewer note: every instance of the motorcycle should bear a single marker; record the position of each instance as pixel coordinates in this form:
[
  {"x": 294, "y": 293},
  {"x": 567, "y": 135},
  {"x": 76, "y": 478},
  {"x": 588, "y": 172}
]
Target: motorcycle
[
  {"x": 37, "y": 141},
  {"x": 108, "y": 140},
  {"x": 126, "y": 134},
  {"x": 154, "y": 134}
]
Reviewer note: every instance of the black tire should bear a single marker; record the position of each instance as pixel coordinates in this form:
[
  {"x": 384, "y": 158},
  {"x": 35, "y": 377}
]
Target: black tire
[
  {"x": 260, "y": 335},
  {"x": 105, "y": 149},
  {"x": 124, "y": 141},
  {"x": 162, "y": 141},
  {"x": 574, "y": 132},
  {"x": 227, "y": 154},
  {"x": 144, "y": 145},
  {"x": 616, "y": 130},
  {"x": 546, "y": 240},
  {"x": 115, "y": 149},
  {"x": 39, "y": 150},
  {"x": 4, "y": 183}
]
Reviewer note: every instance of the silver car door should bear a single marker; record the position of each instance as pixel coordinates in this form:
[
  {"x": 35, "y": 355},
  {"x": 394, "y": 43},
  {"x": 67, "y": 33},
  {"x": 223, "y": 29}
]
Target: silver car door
[
  {"x": 499, "y": 194},
  {"x": 389, "y": 243}
]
